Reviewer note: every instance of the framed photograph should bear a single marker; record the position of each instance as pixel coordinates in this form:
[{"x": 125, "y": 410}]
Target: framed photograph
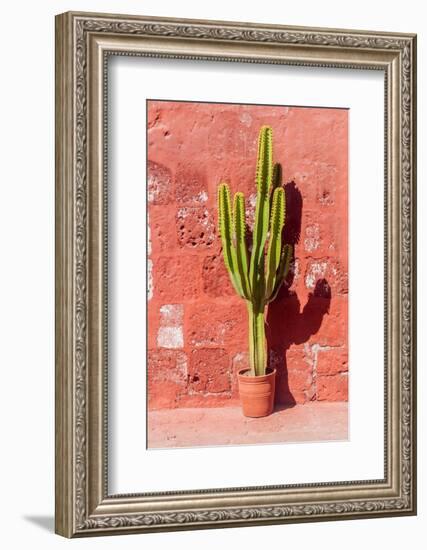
[{"x": 235, "y": 274}]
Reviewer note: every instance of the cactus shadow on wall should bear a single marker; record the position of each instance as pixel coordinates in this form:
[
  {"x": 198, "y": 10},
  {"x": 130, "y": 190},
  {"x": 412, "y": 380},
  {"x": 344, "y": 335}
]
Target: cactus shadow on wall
[{"x": 286, "y": 323}]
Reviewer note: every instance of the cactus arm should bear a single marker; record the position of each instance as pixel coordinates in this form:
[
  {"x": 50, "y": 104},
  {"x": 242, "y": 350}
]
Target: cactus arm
[
  {"x": 264, "y": 174},
  {"x": 275, "y": 240},
  {"x": 283, "y": 270},
  {"x": 241, "y": 252},
  {"x": 225, "y": 223},
  {"x": 276, "y": 181}
]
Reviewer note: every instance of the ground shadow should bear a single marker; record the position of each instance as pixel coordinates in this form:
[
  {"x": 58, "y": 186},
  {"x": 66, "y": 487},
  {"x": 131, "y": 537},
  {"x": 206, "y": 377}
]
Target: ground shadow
[
  {"x": 286, "y": 322},
  {"x": 45, "y": 522}
]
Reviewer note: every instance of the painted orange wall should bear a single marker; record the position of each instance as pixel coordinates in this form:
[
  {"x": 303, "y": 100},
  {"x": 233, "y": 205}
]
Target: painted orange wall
[{"x": 197, "y": 327}]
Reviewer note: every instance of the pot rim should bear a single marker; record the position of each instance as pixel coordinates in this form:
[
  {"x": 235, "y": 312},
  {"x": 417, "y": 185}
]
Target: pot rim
[{"x": 270, "y": 372}]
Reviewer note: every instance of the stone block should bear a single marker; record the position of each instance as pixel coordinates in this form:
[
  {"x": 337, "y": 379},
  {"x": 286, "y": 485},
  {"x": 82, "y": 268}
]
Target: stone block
[
  {"x": 215, "y": 278},
  {"x": 331, "y": 361},
  {"x": 209, "y": 371},
  {"x": 195, "y": 227},
  {"x": 176, "y": 278},
  {"x": 190, "y": 185},
  {"x": 167, "y": 377},
  {"x": 213, "y": 324},
  {"x": 159, "y": 183},
  {"x": 332, "y": 388}
]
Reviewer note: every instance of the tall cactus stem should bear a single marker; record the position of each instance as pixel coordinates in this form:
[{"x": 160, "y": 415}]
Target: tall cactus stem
[
  {"x": 257, "y": 342},
  {"x": 264, "y": 176}
]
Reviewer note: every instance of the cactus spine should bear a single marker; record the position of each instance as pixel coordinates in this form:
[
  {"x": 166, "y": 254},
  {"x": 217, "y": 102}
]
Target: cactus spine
[{"x": 257, "y": 274}]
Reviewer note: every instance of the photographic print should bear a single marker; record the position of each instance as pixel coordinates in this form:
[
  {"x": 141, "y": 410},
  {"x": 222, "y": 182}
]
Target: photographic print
[{"x": 247, "y": 270}]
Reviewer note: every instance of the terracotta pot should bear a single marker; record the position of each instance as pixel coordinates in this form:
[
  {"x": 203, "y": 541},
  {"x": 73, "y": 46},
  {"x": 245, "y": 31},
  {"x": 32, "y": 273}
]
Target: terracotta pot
[{"x": 257, "y": 392}]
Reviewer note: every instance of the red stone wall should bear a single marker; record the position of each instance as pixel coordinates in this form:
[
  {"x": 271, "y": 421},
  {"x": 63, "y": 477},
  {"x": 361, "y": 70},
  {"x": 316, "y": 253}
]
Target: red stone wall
[{"x": 197, "y": 326}]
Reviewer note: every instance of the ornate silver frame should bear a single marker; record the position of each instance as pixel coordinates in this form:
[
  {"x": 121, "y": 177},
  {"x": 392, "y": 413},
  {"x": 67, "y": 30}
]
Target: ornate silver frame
[{"x": 83, "y": 505}]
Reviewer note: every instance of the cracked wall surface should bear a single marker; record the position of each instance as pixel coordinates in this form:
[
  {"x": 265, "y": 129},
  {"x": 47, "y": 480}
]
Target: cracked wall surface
[{"x": 197, "y": 327}]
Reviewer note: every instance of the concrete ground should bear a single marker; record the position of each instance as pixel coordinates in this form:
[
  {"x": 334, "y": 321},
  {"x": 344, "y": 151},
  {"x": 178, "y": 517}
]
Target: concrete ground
[{"x": 227, "y": 426}]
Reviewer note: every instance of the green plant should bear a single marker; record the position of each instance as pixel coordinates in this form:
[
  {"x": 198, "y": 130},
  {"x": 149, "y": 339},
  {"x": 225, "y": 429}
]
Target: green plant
[{"x": 256, "y": 273}]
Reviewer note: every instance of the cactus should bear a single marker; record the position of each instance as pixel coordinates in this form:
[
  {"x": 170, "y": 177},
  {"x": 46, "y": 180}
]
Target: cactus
[{"x": 256, "y": 274}]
